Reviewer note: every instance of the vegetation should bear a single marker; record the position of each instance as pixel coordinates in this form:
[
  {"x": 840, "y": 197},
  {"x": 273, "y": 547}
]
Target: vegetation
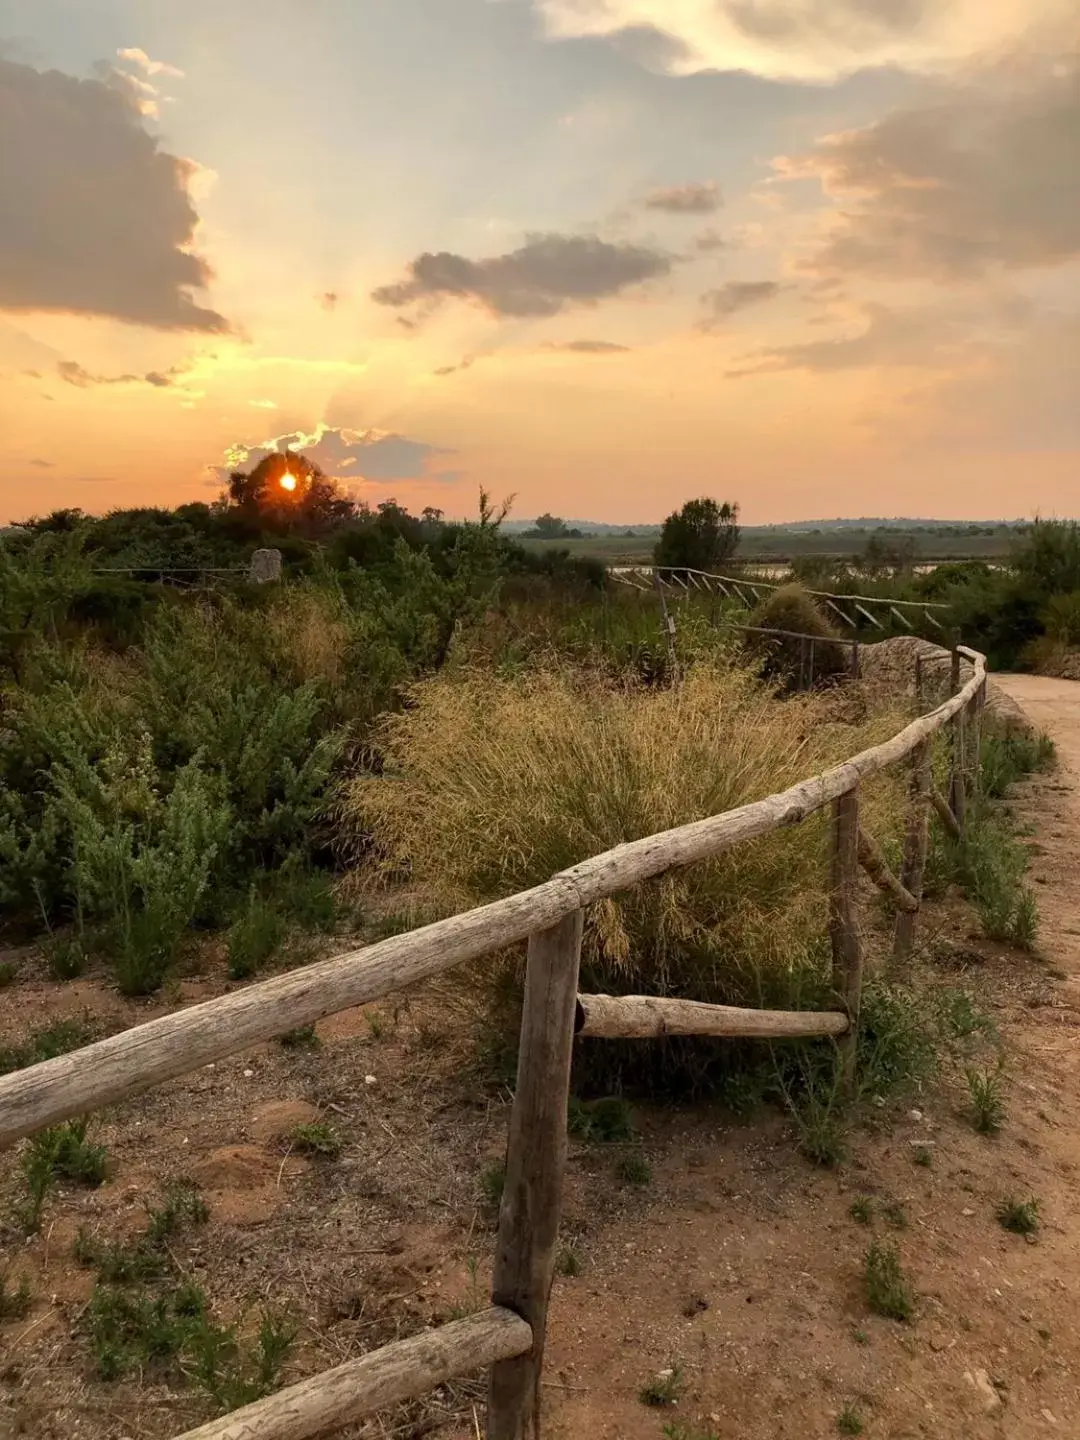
[
  {"x": 1021, "y": 1217},
  {"x": 987, "y": 1100},
  {"x": 664, "y": 1388},
  {"x": 703, "y": 535},
  {"x": 888, "y": 1292},
  {"x": 60, "y": 1153}
]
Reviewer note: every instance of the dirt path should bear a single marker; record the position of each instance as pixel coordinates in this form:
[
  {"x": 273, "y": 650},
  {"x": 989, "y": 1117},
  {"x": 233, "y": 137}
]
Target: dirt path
[{"x": 743, "y": 1267}]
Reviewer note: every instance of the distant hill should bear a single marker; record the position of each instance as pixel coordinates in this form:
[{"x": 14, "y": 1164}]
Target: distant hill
[{"x": 603, "y": 527}]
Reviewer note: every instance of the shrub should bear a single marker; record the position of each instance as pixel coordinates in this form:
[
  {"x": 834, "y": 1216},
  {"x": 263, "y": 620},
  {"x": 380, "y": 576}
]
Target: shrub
[
  {"x": 987, "y": 1100},
  {"x": 60, "y": 1153},
  {"x": 1021, "y": 1217},
  {"x": 793, "y": 608},
  {"x": 491, "y": 785},
  {"x": 888, "y": 1292}
]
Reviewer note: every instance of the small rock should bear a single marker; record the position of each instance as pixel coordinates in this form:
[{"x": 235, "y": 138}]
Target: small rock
[
  {"x": 879, "y": 1101},
  {"x": 1048, "y": 1416},
  {"x": 938, "y": 1343},
  {"x": 967, "y": 1212},
  {"x": 370, "y": 1080},
  {"x": 914, "y": 1114},
  {"x": 248, "y": 1074},
  {"x": 980, "y": 1381}
]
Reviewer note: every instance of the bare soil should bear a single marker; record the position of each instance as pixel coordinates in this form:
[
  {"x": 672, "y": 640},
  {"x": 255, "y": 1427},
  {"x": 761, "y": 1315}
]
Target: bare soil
[{"x": 739, "y": 1262}]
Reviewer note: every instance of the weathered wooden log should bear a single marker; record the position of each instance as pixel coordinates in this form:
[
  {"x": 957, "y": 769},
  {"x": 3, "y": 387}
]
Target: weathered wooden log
[
  {"x": 136, "y": 1059},
  {"x": 911, "y": 873},
  {"x": 646, "y": 1017},
  {"x": 404, "y": 1370},
  {"x": 872, "y": 859},
  {"x": 843, "y": 924},
  {"x": 944, "y": 812},
  {"x": 535, "y": 1164}
]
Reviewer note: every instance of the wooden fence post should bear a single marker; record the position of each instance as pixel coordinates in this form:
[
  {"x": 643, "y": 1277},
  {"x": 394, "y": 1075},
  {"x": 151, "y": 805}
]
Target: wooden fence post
[
  {"x": 535, "y": 1162},
  {"x": 958, "y": 772},
  {"x": 843, "y": 924},
  {"x": 669, "y": 627},
  {"x": 911, "y": 873},
  {"x": 855, "y": 660}
]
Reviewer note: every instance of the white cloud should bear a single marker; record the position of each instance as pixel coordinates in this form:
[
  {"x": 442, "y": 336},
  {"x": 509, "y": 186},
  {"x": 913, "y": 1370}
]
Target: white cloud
[
  {"x": 350, "y": 455},
  {"x": 810, "y": 40}
]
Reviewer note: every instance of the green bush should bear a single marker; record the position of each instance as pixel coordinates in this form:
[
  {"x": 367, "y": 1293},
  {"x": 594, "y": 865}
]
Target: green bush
[{"x": 793, "y": 608}]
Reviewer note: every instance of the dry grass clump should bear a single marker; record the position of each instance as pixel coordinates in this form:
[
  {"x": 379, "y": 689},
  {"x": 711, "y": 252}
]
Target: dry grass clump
[
  {"x": 793, "y": 608},
  {"x": 493, "y": 784}
]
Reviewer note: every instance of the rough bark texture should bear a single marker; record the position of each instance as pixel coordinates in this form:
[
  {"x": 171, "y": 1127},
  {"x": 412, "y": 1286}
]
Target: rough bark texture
[
  {"x": 911, "y": 875},
  {"x": 643, "y": 1017},
  {"x": 872, "y": 859},
  {"x": 843, "y": 923},
  {"x": 535, "y": 1162},
  {"x": 401, "y": 1371}
]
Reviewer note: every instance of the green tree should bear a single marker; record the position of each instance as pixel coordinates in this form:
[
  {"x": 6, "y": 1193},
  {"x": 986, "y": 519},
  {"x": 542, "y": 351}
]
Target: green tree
[
  {"x": 289, "y": 492},
  {"x": 703, "y": 535},
  {"x": 549, "y": 527}
]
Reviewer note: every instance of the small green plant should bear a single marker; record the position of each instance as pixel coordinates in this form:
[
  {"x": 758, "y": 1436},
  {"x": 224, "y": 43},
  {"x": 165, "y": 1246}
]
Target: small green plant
[
  {"x": 492, "y": 1182},
  {"x": 987, "y": 1100},
  {"x": 182, "y": 1202},
  {"x": 376, "y": 1023},
  {"x": 1021, "y": 1217},
  {"x": 45, "y": 1044},
  {"x": 922, "y": 1155},
  {"x": 60, "y": 1153},
  {"x": 569, "y": 1262},
  {"x": 664, "y": 1388},
  {"x": 66, "y": 956},
  {"x": 860, "y": 1337},
  {"x": 302, "y": 1038},
  {"x": 606, "y": 1121},
  {"x": 894, "y": 1213},
  {"x": 849, "y": 1421},
  {"x": 1024, "y": 925},
  {"x": 888, "y": 1293},
  {"x": 861, "y": 1210},
  {"x": 679, "y": 1430},
  {"x": 8, "y": 971},
  {"x": 15, "y": 1301},
  {"x": 474, "y": 1296},
  {"x": 317, "y": 1137},
  {"x": 960, "y": 1018},
  {"x": 255, "y": 935},
  {"x": 634, "y": 1169}
]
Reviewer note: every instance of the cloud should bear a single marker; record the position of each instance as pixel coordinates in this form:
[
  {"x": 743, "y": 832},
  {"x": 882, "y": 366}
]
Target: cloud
[
  {"x": 104, "y": 220},
  {"x": 542, "y": 277},
  {"x": 814, "y": 40},
  {"x": 74, "y": 374},
  {"x": 587, "y": 347},
  {"x": 43, "y": 464},
  {"x": 736, "y": 295},
  {"x": 465, "y": 363},
  {"x": 151, "y": 67},
  {"x": 139, "y": 87},
  {"x": 263, "y": 404},
  {"x": 982, "y": 177},
  {"x": 708, "y": 241},
  {"x": 349, "y": 455},
  {"x": 918, "y": 338},
  {"x": 329, "y": 299},
  {"x": 695, "y": 198}
]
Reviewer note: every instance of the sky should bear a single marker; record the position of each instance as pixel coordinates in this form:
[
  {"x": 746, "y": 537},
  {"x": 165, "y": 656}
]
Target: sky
[{"x": 819, "y": 257}]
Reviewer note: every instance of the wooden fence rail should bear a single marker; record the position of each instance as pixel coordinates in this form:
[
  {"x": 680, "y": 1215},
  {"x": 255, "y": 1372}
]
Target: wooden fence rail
[{"x": 510, "y": 1337}]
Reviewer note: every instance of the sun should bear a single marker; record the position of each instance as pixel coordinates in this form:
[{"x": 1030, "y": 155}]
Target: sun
[{"x": 288, "y": 481}]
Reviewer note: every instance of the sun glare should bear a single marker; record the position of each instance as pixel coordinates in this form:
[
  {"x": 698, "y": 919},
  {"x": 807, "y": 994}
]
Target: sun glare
[{"x": 288, "y": 481}]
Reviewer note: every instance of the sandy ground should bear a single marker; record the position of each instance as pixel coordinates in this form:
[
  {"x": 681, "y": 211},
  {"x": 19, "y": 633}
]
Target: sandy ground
[{"x": 739, "y": 1263}]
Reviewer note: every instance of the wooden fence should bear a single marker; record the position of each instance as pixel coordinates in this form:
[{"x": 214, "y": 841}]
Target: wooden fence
[{"x": 509, "y": 1337}]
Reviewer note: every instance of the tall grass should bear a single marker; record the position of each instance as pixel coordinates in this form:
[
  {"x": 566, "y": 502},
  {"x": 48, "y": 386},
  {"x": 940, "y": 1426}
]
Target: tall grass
[{"x": 490, "y": 785}]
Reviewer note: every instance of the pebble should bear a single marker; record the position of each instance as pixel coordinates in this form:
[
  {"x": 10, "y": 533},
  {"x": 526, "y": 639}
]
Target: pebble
[
  {"x": 1048, "y": 1416},
  {"x": 982, "y": 1383},
  {"x": 967, "y": 1212},
  {"x": 370, "y": 1080},
  {"x": 248, "y": 1074},
  {"x": 914, "y": 1114}
]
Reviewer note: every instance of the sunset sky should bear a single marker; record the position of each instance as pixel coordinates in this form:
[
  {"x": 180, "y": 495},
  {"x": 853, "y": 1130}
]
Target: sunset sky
[{"x": 818, "y": 256}]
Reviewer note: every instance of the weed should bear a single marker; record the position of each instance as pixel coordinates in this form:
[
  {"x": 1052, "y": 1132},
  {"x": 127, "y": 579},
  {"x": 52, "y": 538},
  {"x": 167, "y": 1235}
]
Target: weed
[
  {"x": 1019, "y": 1216},
  {"x": 861, "y": 1210},
  {"x": 888, "y": 1293},
  {"x": 679, "y": 1430},
  {"x": 569, "y": 1262},
  {"x": 182, "y": 1202},
  {"x": 664, "y": 1388},
  {"x": 922, "y": 1155},
  {"x": 474, "y": 1299},
  {"x": 66, "y": 956},
  {"x": 15, "y": 1302},
  {"x": 1024, "y": 925},
  {"x": 45, "y": 1044},
  {"x": 894, "y": 1213},
  {"x": 608, "y": 1120},
  {"x": 317, "y": 1138},
  {"x": 849, "y": 1421},
  {"x": 860, "y": 1337},
  {"x": 492, "y": 1183},
  {"x": 960, "y": 1019},
  {"x": 60, "y": 1153},
  {"x": 987, "y": 1100},
  {"x": 8, "y": 971},
  {"x": 376, "y": 1023},
  {"x": 303, "y": 1037},
  {"x": 255, "y": 935},
  {"x": 634, "y": 1169}
]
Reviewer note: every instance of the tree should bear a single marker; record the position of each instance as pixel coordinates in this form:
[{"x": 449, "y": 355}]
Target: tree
[
  {"x": 289, "y": 492},
  {"x": 701, "y": 536},
  {"x": 549, "y": 527}
]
